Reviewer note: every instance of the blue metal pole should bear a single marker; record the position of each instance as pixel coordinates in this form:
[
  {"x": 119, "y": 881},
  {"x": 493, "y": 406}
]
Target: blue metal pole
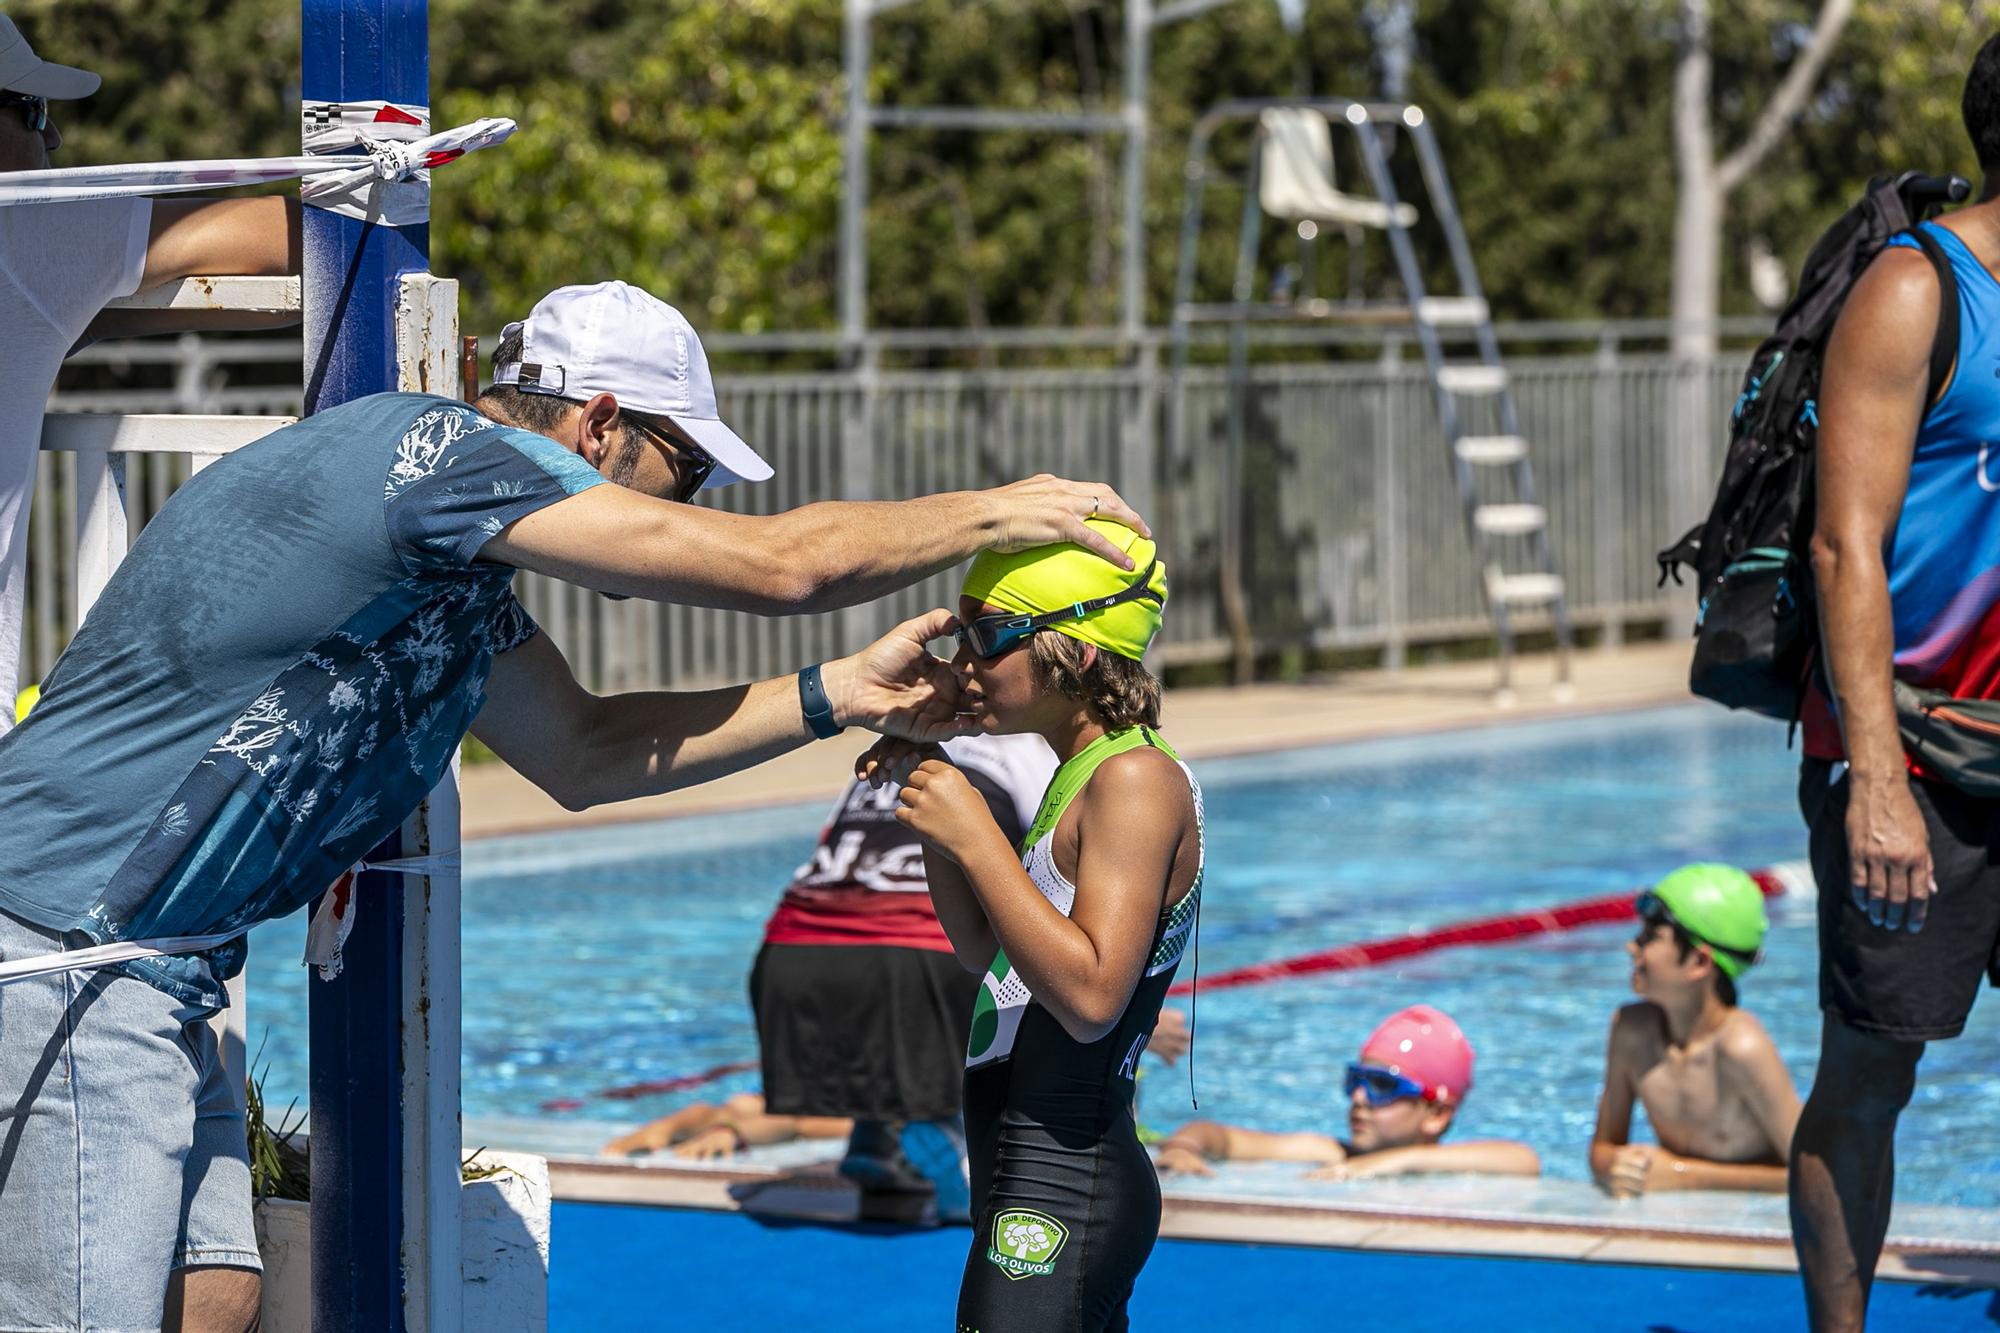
[{"x": 356, "y": 50}]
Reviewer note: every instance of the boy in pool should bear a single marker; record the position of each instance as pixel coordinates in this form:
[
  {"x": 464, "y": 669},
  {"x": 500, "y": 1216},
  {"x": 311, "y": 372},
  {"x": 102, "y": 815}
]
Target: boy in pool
[
  {"x": 1079, "y": 933},
  {"x": 1714, "y": 1087},
  {"x": 1402, "y": 1093}
]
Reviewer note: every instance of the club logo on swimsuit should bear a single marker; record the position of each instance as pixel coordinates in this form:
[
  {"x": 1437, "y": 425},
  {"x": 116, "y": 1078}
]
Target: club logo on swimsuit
[{"x": 1025, "y": 1243}]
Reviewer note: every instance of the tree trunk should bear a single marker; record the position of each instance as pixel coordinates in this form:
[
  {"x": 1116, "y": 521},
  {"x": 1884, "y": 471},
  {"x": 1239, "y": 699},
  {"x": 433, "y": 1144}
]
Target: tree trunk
[
  {"x": 1698, "y": 208},
  {"x": 1704, "y": 183}
]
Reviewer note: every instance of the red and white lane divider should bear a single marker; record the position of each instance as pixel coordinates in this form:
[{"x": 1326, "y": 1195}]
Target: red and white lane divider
[
  {"x": 1788, "y": 878},
  {"x": 1791, "y": 878}
]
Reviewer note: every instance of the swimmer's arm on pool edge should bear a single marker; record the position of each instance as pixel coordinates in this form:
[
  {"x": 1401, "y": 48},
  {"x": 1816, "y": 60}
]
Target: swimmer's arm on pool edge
[
  {"x": 1480, "y": 1157},
  {"x": 814, "y": 558},
  {"x": 1190, "y": 1148},
  {"x": 1614, "y": 1103},
  {"x": 584, "y": 749},
  {"x": 1082, "y": 968}
]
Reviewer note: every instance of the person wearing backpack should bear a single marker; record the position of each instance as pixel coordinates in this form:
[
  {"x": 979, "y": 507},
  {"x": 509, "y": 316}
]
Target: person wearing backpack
[{"x": 1905, "y": 830}]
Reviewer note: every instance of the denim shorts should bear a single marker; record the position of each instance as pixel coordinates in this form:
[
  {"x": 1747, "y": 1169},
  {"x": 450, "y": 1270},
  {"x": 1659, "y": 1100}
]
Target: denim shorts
[{"x": 122, "y": 1154}]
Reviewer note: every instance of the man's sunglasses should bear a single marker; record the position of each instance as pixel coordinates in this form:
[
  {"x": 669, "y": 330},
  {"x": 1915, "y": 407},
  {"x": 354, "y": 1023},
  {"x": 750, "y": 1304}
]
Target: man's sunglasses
[
  {"x": 692, "y": 464},
  {"x": 1654, "y": 912},
  {"x": 989, "y": 637},
  {"x": 1380, "y": 1086},
  {"x": 35, "y": 110}
]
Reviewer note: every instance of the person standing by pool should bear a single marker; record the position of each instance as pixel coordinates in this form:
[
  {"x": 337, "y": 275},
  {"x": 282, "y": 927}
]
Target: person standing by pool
[
  {"x": 861, "y": 1009},
  {"x": 1715, "y": 1089},
  {"x": 1906, "y": 554},
  {"x": 60, "y": 263},
  {"x": 1402, "y": 1092},
  {"x": 1078, "y": 932},
  {"x": 283, "y": 667}
]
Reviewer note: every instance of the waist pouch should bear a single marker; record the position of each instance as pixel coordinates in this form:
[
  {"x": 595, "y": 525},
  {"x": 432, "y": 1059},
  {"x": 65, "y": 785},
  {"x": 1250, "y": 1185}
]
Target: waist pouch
[
  {"x": 1957, "y": 740},
  {"x": 1753, "y": 638}
]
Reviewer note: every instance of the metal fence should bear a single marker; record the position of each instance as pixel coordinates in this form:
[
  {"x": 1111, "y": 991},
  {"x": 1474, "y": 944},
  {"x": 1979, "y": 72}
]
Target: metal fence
[{"x": 1349, "y": 523}]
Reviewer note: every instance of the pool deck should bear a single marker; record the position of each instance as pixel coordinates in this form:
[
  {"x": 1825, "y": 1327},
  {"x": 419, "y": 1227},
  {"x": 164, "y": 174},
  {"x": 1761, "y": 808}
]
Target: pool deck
[
  {"x": 1204, "y": 723},
  {"x": 1559, "y": 1220}
]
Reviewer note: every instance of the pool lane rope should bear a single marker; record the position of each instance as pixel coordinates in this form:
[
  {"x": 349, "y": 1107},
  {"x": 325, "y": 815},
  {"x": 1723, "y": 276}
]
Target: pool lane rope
[
  {"x": 1789, "y": 878},
  {"x": 389, "y": 183}
]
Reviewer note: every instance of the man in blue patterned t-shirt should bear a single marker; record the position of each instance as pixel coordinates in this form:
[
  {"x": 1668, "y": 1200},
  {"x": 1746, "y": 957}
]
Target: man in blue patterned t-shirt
[{"x": 284, "y": 665}]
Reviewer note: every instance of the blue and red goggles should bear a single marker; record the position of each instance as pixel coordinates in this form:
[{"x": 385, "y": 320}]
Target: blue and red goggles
[
  {"x": 989, "y": 637},
  {"x": 1381, "y": 1085}
]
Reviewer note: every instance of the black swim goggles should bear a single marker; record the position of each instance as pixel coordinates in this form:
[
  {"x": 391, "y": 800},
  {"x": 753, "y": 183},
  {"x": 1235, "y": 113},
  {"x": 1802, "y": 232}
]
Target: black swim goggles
[
  {"x": 34, "y": 109},
  {"x": 989, "y": 637},
  {"x": 1380, "y": 1085},
  {"x": 1653, "y": 910}
]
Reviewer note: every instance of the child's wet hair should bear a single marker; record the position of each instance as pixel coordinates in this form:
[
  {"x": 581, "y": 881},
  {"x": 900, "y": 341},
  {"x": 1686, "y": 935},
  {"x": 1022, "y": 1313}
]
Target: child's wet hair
[{"x": 1119, "y": 690}]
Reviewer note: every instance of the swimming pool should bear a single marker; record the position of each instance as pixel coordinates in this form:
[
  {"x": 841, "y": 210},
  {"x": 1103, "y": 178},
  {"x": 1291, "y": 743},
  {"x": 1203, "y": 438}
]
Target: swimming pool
[{"x": 620, "y": 955}]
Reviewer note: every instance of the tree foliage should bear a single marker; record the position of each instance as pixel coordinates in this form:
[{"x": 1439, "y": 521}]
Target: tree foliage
[{"x": 693, "y": 146}]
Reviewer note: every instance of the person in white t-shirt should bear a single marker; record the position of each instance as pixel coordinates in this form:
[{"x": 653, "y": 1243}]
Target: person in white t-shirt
[{"x": 60, "y": 264}]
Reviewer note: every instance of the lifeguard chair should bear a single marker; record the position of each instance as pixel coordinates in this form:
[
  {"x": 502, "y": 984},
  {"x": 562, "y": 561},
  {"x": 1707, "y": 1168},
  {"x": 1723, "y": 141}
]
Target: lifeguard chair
[{"x": 1291, "y": 175}]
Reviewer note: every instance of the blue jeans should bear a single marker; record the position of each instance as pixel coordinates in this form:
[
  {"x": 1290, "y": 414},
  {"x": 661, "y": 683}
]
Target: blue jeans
[{"x": 122, "y": 1154}]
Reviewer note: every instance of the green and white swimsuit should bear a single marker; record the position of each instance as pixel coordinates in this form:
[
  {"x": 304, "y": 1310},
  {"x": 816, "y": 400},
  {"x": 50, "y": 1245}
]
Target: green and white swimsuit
[{"x": 1065, "y": 1200}]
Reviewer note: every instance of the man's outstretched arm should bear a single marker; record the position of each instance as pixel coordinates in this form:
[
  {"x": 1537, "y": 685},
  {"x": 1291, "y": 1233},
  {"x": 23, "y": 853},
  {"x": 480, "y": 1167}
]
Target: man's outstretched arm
[
  {"x": 814, "y": 558},
  {"x": 584, "y": 749}
]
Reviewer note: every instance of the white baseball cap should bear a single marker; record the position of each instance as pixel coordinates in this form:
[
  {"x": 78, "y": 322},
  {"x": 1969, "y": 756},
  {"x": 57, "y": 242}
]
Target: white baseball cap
[
  {"x": 22, "y": 71},
  {"x": 612, "y": 337}
]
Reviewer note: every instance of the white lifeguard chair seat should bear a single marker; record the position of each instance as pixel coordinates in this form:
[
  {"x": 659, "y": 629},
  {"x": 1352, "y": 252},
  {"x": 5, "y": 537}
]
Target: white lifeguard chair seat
[{"x": 1295, "y": 178}]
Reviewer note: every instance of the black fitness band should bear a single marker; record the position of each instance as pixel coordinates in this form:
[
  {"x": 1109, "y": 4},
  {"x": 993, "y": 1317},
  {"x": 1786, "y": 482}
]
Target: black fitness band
[{"x": 816, "y": 706}]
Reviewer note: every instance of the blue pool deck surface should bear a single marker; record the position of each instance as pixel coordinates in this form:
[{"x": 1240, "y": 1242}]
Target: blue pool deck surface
[
  {"x": 619, "y": 1268},
  {"x": 613, "y": 956}
]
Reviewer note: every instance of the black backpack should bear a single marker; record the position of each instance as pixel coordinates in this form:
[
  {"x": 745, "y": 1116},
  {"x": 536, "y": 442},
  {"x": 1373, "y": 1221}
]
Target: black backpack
[{"x": 1757, "y": 633}]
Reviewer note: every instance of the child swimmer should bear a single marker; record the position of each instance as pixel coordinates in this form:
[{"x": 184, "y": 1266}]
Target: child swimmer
[{"x": 1079, "y": 932}]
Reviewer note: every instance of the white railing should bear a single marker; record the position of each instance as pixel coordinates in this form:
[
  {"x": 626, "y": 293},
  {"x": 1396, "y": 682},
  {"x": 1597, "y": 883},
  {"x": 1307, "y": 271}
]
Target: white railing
[{"x": 1351, "y": 531}]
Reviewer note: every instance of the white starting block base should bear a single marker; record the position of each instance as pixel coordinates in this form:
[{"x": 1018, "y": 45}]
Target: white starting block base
[{"x": 504, "y": 1229}]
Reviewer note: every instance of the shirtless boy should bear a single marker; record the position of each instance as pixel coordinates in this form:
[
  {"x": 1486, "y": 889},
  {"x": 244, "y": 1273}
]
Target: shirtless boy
[
  {"x": 1715, "y": 1090},
  {"x": 1402, "y": 1094}
]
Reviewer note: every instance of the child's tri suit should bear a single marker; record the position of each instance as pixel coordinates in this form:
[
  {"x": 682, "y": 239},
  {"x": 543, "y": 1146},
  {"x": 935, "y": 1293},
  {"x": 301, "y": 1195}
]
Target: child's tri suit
[{"x": 1065, "y": 1202}]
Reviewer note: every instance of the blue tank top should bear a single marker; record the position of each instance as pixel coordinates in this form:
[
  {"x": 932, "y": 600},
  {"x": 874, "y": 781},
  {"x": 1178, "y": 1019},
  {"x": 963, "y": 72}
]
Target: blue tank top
[{"x": 1944, "y": 558}]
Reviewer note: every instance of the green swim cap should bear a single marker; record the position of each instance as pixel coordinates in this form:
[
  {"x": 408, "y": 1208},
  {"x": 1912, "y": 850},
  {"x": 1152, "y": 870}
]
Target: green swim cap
[
  {"x": 1049, "y": 578},
  {"x": 25, "y": 701},
  {"x": 1720, "y": 906}
]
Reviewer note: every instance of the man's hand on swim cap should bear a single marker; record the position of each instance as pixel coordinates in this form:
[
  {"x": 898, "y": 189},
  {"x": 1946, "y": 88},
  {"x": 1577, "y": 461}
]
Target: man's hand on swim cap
[
  {"x": 1046, "y": 509},
  {"x": 897, "y": 687}
]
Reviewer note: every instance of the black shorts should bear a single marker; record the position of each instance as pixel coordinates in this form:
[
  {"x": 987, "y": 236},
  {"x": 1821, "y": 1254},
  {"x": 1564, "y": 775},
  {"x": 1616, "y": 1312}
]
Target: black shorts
[
  {"x": 868, "y": 1031},
  {"x": 1892, "y": 983}
]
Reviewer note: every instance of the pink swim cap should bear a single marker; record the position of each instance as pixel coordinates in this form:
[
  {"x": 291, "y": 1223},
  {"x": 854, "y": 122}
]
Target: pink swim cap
[{"x": 1424, "y": 1045}]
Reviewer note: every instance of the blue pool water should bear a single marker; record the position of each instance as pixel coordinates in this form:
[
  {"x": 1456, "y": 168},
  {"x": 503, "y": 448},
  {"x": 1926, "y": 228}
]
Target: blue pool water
[{"x": 620, "y": 955}]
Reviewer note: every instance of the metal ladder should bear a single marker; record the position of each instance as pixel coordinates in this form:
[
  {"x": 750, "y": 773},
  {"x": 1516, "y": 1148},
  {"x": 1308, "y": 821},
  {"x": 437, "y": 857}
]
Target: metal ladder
[{"x": 1505, "y": 522}]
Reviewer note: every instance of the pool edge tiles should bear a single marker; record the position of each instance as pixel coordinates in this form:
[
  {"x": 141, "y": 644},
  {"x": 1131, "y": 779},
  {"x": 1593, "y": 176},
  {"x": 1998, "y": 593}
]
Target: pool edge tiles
[{"x": 815, "y": 1193}]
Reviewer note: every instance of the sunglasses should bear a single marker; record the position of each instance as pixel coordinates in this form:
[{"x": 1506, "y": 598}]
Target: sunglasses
[
  {"x": 1654, "y": 912},
  {"x": 692, "y": 464},
  {"x": 1380, "y": 1086},
  {"x": 35, "y": 110},
  {"x": 989, "y": 637}
]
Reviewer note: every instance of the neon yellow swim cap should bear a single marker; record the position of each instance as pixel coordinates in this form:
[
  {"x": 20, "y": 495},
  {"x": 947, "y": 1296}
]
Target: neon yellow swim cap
[
  {"x": 1049, "y": 578},
  {"x": 25, "y": 701},
  {"x": 1720, "y": 906}
]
